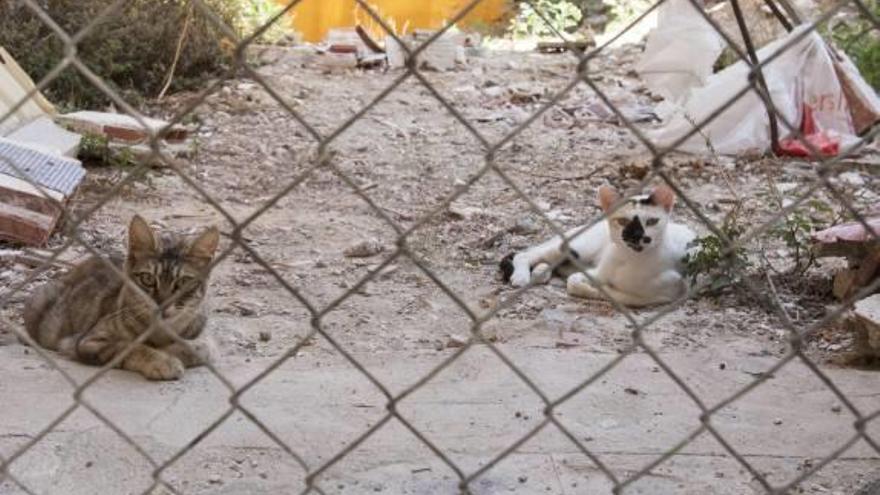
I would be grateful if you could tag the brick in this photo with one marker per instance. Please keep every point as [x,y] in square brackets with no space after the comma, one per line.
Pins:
[28,214]
[21,225]
[867,319]
[119,127]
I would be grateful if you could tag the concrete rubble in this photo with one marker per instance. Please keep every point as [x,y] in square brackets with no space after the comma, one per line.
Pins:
[39,171]
[121,127]
[866,322]
[861,249]
[349,48]
[444,53]
[29,214]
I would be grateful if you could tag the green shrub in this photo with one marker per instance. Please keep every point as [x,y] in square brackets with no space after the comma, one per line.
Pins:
[543,18]
[710,257]
[796,228]
[864,51]
[569,16]
[861,41]
[132,49]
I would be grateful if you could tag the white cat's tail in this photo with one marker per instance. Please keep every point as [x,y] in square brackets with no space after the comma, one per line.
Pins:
[506,267]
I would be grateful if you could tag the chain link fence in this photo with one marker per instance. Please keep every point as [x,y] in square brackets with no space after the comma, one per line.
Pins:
[825,168]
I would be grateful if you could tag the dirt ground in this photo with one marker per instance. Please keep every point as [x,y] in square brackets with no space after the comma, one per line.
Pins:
[408,154]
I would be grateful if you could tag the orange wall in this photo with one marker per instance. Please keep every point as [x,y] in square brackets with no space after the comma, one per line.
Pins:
[313,18]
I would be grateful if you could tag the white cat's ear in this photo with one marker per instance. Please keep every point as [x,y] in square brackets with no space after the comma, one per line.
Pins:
[205,245]
[140,237]
[664,196]
[607,197]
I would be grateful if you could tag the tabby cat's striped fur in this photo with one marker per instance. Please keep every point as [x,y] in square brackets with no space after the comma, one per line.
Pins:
[90,315]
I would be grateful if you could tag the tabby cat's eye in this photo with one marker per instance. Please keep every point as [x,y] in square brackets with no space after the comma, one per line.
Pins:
[652,221]
[146,279]
[623,222]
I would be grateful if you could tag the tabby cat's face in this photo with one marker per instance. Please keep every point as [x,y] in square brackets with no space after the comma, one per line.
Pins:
[168,267]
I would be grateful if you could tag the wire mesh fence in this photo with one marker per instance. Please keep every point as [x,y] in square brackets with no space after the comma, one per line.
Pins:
[825,168]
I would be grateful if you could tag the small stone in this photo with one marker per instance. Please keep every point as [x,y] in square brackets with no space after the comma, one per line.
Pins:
[777,421]
[456,341]
[525,226]
[835,347]
[264,475]
[214,479]
[836,408]
[852,178]
[460,212]
[631,391]
[523,479]
[364,249]
[608,424]
[265,335]
[388,271]
[245,309]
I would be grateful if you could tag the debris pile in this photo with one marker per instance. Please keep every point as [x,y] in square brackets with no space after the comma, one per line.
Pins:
[29,214]
[32,147]
[128,135]
[349,48]
[866,321]
[861,250]
[812,85]
[39,172]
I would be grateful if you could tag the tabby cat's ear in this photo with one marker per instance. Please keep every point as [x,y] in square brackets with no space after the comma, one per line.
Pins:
[141,240]
[205,244]
[607,197]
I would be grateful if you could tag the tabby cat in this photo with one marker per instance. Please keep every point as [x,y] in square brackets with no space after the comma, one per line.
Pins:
[90,315]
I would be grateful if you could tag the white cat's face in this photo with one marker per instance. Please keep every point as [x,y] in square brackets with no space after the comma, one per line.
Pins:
[640,223]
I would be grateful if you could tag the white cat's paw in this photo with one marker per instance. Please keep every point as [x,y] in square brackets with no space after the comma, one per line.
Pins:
[541,274]
[520,278]
[578,285]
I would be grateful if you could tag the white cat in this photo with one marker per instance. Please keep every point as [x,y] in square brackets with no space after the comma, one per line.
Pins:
[636,254]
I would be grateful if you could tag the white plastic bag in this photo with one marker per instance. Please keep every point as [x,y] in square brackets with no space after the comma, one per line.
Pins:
[680,52]
[802,75]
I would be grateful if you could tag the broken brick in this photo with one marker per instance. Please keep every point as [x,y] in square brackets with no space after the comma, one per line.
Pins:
[121,127]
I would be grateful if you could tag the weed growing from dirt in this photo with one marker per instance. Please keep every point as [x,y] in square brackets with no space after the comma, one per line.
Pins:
[710,256]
